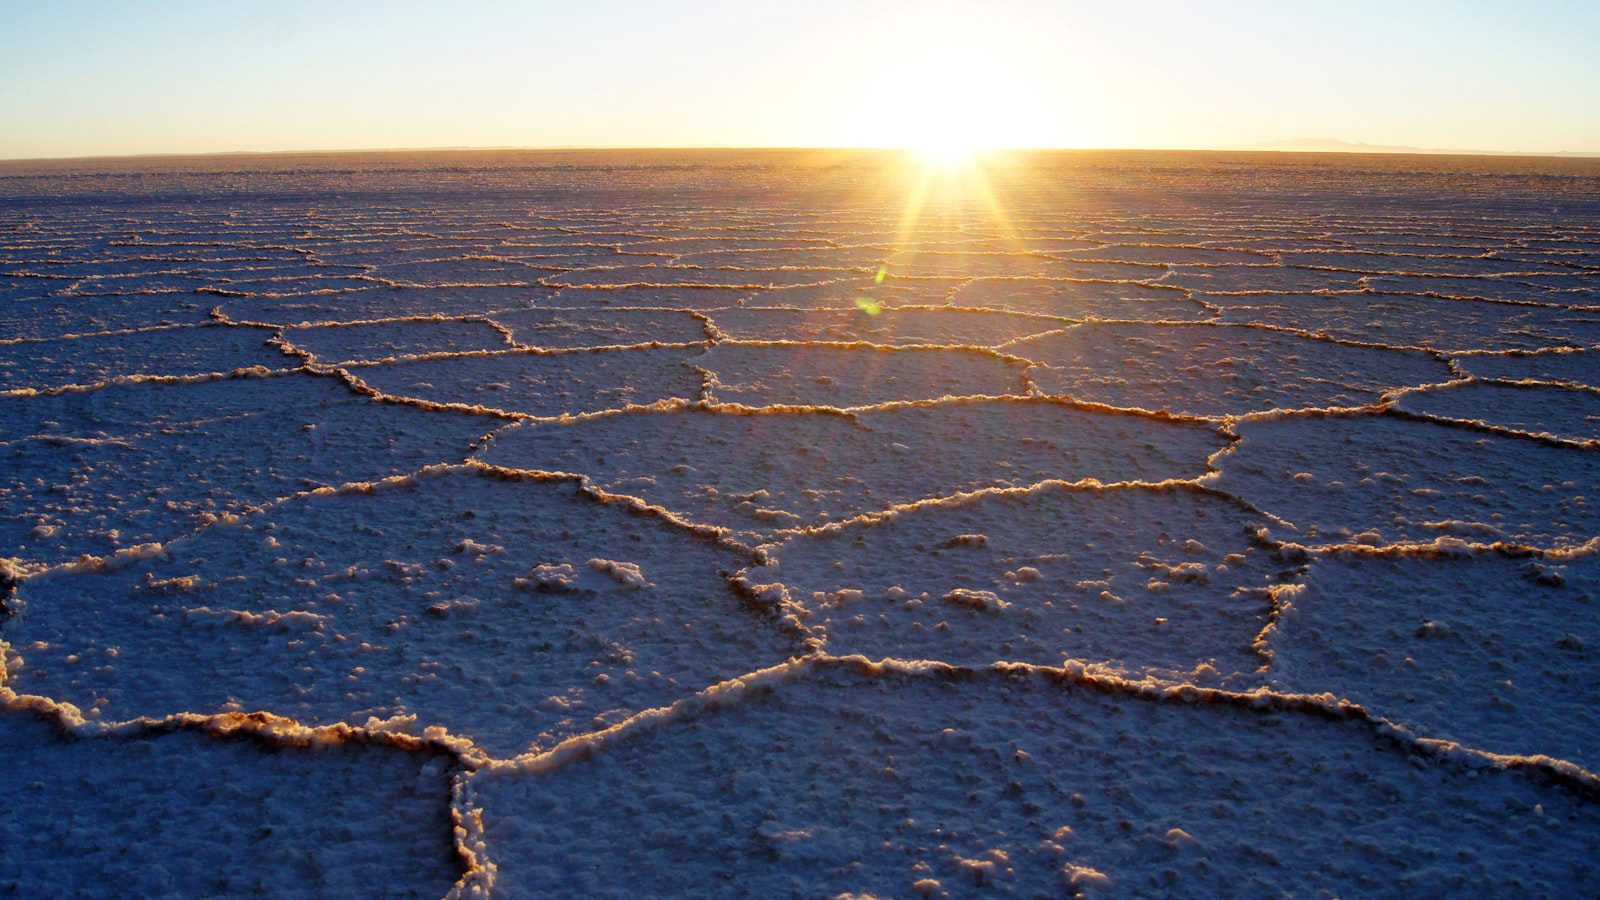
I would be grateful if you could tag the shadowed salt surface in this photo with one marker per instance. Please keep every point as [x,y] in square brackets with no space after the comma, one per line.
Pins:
[687,276]
[1578,367]
[1489,649]
[384,340]
[1023,785]
[188,813]
[1570,413]
[100,471]
[1396,479]
[379,303]
[562,328]
[761,472]
[436,596]
[93,359]
[1140,577]
[495,523]
[541,384]
[880,326]
[1418,321]
[24,318]
[1078,299]
[854,291]
[769,374]
[1213,371]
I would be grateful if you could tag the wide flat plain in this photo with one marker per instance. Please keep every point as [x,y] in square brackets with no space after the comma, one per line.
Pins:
[800,522]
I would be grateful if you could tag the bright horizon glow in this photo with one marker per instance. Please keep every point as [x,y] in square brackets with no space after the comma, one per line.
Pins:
[946,154]
[957,76]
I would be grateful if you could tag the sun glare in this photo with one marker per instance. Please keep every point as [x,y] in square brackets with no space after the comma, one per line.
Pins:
[949,105]
[946,154]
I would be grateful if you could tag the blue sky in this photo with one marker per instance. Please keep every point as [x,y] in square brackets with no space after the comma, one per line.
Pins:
[79,78]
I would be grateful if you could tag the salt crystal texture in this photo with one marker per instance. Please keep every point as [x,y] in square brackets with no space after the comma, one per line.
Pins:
[779,523]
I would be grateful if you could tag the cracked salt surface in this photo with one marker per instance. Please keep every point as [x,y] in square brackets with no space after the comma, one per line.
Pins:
[1575,367]
[95,358]
[809,465]
[1494,649]
[437,596]
[845,376]
[1417,321]
[537,384]
[377,303]
[379,341]
[557,329]
[31,316]
[878,325]
[100,471]
[924,779]
[176,808]
[1399,479]
[1141,577]
[384,525]
[1078,299]
[1550,410]
[1216,370]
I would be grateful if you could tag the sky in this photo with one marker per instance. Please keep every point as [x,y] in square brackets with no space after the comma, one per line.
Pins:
[96,77]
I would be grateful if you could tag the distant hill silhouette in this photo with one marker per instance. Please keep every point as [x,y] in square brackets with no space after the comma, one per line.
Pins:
[1335,145]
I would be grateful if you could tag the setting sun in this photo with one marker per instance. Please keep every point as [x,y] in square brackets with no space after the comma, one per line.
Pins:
[949,102]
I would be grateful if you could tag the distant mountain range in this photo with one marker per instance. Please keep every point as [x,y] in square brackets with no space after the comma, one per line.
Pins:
[1334,145]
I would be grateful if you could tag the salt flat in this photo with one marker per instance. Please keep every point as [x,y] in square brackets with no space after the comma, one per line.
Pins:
[731,522]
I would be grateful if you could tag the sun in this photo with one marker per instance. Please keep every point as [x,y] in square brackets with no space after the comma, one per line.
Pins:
[950,107]
[947,129]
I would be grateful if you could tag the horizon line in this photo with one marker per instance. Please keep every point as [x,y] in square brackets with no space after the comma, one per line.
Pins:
[1339,147]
